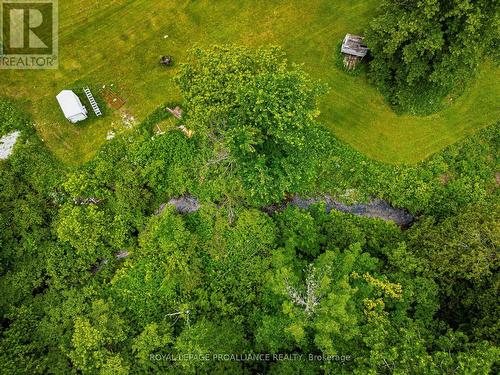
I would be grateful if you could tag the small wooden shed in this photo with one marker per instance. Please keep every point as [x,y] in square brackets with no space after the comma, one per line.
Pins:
[353,49]
[353,45]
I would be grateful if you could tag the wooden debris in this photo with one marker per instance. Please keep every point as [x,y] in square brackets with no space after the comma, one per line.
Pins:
[351,61]
[186,131]
[176,112]
[158,130]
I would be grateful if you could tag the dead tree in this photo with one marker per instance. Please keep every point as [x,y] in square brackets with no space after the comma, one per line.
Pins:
[310,298]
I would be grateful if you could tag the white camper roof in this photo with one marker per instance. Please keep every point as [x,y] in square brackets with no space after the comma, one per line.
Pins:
[70,104]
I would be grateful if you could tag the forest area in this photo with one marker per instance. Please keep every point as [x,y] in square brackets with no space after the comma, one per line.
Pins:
[99,274]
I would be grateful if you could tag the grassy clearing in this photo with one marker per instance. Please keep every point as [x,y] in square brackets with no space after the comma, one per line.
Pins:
[119,42]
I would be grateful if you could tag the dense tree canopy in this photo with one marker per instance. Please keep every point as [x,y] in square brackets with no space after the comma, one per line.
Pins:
[424,49]
[256,113]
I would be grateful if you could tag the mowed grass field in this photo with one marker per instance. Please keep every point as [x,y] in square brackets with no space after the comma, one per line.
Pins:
[117,44]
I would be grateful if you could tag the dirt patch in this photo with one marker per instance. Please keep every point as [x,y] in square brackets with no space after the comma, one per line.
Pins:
[112,99]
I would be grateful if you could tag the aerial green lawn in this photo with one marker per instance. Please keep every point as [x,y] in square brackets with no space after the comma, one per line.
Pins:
[118,43]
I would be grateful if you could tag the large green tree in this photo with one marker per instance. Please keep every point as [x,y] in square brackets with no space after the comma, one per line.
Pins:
[424,49]
[462,254]
[257,113]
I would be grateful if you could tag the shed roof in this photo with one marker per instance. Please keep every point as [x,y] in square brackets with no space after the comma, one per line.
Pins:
[353,45]
[70,104]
